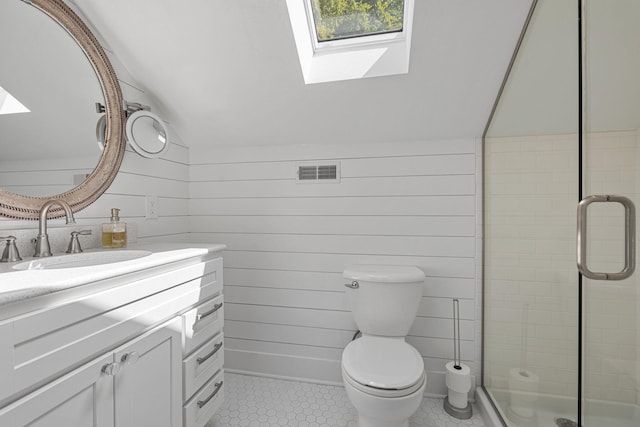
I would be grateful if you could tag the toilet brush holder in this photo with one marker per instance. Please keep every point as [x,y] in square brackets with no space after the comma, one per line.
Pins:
[458,376]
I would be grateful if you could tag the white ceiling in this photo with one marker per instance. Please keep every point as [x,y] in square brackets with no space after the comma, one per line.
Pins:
[228,73]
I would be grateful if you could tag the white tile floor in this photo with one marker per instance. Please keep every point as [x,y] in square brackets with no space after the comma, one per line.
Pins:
[265,402]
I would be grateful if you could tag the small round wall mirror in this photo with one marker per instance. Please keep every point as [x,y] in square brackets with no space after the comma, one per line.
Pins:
[147,134]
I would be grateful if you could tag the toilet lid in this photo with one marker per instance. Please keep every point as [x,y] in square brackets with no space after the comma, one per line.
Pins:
[381,362]
[384,273]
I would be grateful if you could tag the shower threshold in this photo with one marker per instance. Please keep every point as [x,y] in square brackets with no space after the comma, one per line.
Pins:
[554,411]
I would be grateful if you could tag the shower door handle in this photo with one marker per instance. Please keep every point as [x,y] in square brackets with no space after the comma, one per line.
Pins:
[629,237]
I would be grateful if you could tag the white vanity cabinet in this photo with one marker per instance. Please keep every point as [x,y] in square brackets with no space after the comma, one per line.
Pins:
[111,392]
[144,349]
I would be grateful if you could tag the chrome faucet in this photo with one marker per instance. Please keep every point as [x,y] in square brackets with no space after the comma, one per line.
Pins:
[42,240]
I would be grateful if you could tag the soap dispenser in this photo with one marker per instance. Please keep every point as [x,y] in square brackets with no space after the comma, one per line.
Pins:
[114,233]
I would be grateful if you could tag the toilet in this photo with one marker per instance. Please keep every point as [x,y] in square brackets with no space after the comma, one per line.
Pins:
[383,375]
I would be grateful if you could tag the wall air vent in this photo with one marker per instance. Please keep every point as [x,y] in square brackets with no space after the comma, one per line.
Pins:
[318,173]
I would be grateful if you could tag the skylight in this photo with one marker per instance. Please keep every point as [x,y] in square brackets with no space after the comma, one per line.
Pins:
[9,104]
[351,39]
[341,19]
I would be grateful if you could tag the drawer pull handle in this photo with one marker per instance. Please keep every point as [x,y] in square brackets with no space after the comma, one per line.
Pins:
[203,359]
[210,312]
[201,403]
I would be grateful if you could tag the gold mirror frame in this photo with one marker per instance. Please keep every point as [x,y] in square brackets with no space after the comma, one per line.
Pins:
[27,207]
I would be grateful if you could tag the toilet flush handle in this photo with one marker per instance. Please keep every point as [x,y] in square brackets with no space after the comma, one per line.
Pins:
[352,285]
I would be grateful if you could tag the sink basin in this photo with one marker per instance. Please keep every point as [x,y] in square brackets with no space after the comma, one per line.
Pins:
[84,259]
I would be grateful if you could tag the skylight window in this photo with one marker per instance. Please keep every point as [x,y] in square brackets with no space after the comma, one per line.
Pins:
[351,39]
[342,19]
[9,104]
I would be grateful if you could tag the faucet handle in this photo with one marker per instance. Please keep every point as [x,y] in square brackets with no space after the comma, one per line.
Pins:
[74,244]
[10,253]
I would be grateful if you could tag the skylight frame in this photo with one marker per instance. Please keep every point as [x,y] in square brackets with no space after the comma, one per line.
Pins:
[349,58]
[364,39]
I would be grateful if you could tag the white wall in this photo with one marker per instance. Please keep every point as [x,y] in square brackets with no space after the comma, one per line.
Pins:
[288,243]
[166,178]
[44,176]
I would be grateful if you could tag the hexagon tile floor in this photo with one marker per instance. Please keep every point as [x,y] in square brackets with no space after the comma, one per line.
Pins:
[265,402]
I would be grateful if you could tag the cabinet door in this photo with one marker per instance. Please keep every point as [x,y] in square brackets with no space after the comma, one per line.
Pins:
[148,388]
[82,398]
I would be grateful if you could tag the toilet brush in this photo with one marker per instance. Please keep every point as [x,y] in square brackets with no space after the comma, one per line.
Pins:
[458,376]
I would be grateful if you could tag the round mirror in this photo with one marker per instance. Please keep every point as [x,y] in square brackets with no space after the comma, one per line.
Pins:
[147,134]
[57,71]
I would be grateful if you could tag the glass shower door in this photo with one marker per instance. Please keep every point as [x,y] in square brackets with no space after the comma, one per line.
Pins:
[562,348]
[611,159]
[531,186]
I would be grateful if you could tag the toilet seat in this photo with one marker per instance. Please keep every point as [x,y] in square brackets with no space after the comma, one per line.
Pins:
[381,392]
[383,366]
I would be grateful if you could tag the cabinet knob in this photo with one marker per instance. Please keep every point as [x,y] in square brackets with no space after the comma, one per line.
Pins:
[130,358]
[111,369]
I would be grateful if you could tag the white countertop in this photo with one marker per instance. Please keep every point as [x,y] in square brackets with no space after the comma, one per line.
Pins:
[20,285]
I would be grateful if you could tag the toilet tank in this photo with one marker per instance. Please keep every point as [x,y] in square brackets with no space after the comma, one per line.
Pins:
[387,298]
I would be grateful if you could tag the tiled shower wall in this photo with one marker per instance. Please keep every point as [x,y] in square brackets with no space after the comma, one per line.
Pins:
[531,279]
[530,196]
[613,308]
[288,243]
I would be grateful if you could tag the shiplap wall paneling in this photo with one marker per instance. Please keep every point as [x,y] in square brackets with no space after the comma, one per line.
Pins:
[433,206]
[166,178]
[288,243]
[44,176]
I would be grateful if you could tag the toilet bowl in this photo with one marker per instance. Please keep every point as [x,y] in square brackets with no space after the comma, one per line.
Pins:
[383,375]
[384,379]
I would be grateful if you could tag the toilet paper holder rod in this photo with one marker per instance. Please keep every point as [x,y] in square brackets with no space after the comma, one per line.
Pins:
[456,334]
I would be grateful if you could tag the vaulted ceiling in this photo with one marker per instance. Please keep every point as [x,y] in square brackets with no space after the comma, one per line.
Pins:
[227,72]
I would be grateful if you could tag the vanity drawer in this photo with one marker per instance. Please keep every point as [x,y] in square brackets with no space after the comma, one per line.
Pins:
[201,323]
[198,368]
[212,286]
[201,408]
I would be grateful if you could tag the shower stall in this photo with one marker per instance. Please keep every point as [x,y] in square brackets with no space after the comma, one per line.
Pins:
[561,344]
